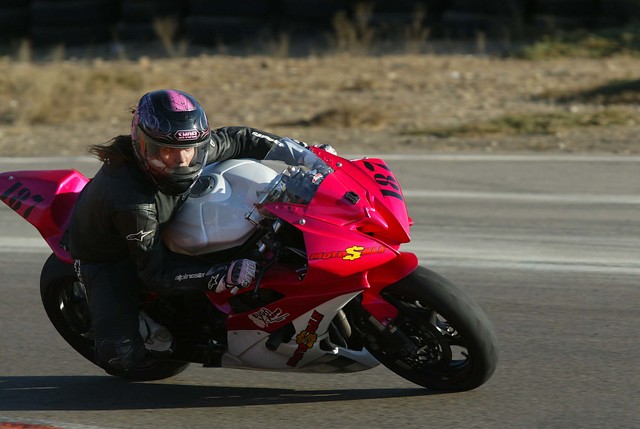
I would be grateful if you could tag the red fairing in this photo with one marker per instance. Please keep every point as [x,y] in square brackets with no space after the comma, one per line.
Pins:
[353,229]
[380,209]
[356,221]
[387,208]
[45,199]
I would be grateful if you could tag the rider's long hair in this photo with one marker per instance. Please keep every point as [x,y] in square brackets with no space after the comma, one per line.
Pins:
[116,151]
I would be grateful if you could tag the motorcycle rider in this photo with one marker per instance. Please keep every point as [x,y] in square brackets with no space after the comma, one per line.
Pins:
[115,231]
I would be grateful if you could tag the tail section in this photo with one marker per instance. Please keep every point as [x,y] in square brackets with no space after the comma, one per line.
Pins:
[45,199]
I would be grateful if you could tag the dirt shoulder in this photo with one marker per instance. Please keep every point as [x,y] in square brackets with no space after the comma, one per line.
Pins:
[358,104]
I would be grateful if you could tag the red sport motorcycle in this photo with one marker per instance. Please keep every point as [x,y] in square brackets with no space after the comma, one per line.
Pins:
[334,292]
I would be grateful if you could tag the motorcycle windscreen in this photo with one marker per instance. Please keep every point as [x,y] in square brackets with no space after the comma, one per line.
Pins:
[366,193]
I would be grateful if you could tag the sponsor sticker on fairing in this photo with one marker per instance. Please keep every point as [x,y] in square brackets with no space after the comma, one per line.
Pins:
[307,338]
[265,317]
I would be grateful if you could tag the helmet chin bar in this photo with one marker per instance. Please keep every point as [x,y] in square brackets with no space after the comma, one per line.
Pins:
[175,181]
[172,186]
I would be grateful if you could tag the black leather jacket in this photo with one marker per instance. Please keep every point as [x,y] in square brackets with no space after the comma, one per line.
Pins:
[120,215]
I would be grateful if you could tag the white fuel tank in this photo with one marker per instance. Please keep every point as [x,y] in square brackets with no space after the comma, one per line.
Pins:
[213,217]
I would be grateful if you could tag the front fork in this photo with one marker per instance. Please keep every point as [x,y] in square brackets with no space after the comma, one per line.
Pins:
[379,278]
[382,336]
[378,315]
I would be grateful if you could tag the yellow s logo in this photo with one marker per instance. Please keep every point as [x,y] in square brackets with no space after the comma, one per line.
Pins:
[307,339]
[353,253]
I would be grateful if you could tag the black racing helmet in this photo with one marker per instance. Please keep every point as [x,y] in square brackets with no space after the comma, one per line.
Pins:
[166,120]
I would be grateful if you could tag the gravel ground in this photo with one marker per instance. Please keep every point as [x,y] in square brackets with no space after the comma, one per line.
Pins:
[358,104]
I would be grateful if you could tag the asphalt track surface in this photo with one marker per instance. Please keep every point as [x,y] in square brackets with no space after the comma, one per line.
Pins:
[548,245]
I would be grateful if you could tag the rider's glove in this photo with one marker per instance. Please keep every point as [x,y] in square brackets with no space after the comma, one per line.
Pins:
[326,147]
[323,146]
[239,274]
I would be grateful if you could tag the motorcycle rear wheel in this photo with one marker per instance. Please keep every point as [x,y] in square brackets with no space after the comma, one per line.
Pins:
[65,302]
[454,346]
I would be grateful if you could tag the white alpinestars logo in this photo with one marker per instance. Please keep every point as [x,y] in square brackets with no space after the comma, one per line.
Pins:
[138,236]
[213,281]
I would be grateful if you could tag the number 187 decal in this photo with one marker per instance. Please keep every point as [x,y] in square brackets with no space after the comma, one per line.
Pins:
[385,178]
[18,197]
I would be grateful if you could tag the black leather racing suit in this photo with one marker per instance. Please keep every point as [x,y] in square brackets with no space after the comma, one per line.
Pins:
[115,233]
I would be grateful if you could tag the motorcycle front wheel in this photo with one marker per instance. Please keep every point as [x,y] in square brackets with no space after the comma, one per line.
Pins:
[442,340]
[65,302]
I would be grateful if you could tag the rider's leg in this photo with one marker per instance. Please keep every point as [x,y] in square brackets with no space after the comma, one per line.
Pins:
[112,291]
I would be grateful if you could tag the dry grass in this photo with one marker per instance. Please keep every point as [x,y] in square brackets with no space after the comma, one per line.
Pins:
[166,28]
[416,34]
[610,93]
[62,92]
[353,36]
[344,116]
[358,103]
[602,43]
[539,123]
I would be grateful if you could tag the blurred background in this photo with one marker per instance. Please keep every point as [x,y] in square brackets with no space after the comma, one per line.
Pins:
[372,75]
[297,26]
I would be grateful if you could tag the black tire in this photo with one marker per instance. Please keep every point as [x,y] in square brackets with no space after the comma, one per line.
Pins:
[12,4]
[568,8]
[456,346]
[211,30]
[312,10]
[70,35]
[145,11]
[72,12]
[65,302]
[14,23]
[230,8]
[621,11]
[136,31]
[396,6]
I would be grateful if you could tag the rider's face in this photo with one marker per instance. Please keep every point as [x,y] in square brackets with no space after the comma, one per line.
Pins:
[177,157]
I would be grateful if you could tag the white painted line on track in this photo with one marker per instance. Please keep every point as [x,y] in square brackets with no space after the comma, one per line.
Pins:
[549,266]
[446,257]
[23,245]
[566,262]
[504,158]
[527,197]
[564,256]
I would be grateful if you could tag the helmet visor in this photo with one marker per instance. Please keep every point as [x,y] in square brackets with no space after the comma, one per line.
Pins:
[174,167]
[171,159]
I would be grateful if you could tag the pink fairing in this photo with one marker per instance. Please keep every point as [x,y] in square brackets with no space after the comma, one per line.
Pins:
[45,199]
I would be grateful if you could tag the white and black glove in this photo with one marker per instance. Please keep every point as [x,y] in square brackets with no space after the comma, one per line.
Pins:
[322,146]
[326,147]
[238,275]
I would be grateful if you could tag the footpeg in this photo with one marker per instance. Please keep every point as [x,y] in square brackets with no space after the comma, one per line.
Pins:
[157,338]
[212,356]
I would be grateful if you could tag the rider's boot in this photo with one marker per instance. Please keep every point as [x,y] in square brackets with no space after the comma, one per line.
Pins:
[157,338]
